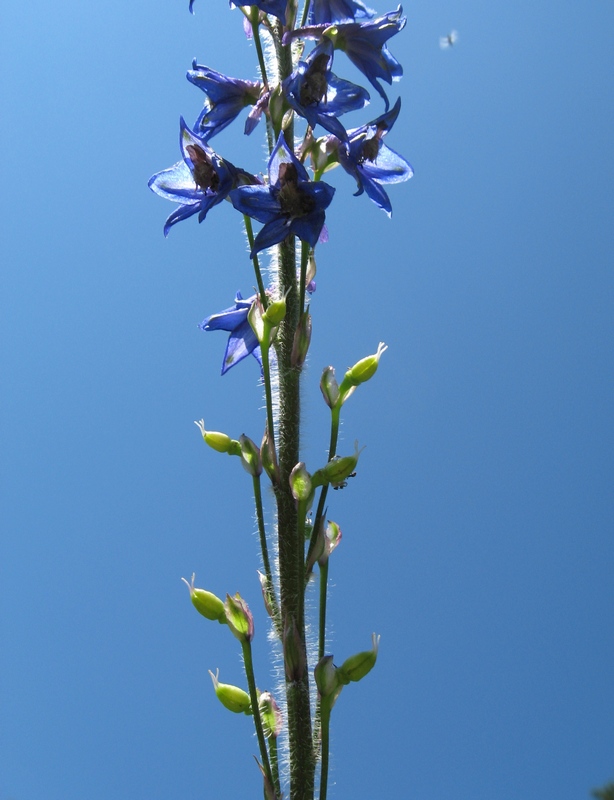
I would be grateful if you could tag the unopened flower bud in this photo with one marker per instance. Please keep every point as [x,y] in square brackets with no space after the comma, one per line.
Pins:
[294,653]
[255,315]
[239,618]
[325,154]
[206,603]
[332,537]
[318,549]
[219,441]
[300,483]
[232,697]
[325,674]
[250,456]
[356,667]
[270,715]
[311,272]
[266,593]
[276,106]
[302,339]
[329,387]
[269,457]
[361,372]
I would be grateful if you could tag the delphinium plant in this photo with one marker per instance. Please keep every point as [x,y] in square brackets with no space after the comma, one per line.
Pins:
[298,101]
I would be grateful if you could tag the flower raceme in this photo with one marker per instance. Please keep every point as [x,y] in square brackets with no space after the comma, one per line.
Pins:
[290,204]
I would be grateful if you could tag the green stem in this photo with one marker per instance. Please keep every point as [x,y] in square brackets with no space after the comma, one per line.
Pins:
[305,12]
[255,22]
[272,598]
[335,414]
[250,238]
[253,694]
[324,732]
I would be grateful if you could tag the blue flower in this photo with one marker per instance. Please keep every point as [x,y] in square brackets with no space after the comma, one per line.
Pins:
[316,94]
[242,340]
[371,162]
[364,43]
[199,182]
[226,98]
[290,204]
[329,11]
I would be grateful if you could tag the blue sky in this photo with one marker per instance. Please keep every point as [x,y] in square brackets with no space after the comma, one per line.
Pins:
[478,534]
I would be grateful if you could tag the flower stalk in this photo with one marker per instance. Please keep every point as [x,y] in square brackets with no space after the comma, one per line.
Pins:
[298,94]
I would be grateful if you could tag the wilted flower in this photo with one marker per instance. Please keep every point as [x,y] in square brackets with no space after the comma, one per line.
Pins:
[242,340]
[290,204]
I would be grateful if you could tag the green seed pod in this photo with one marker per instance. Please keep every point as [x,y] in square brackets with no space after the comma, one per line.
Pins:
[231,697]
[356,667]
[362,371]
[206,603]
[337,470]
[275,312]
[219,441]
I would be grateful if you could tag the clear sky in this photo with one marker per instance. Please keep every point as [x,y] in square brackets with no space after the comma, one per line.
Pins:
[478,535]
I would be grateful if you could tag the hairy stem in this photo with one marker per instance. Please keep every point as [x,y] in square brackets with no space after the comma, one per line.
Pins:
[291,539]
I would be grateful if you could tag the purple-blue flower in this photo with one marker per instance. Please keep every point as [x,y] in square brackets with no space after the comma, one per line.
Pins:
[226,98]
[364,43]
[330,11]
[198,182]
[242,340]
[317,94]
[371,162]
[290,204]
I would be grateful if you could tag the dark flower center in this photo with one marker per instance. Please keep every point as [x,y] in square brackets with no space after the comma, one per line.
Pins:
[370,148]
[293,200]
[205,175]
[314,84]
